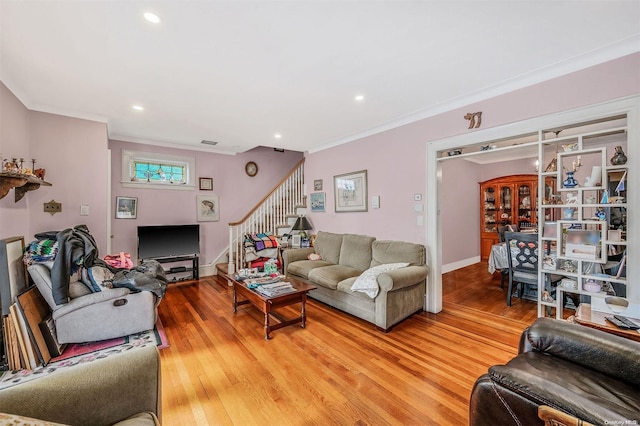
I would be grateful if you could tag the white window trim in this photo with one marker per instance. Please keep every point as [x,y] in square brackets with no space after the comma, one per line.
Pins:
[128,170]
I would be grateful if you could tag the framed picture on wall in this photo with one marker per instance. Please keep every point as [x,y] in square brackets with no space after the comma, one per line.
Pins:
[126,208]
[317,185]
[208,208]
[317,201]
[206,184]
[350,191]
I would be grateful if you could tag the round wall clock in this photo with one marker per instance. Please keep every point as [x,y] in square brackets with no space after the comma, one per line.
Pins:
[251,168]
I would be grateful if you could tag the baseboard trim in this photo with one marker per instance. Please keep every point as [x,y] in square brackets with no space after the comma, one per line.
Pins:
[460,264]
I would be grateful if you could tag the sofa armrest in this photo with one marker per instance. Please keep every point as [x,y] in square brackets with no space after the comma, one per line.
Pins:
[101,392]
[584,346]
[293,255]
[403,277]
[90,299]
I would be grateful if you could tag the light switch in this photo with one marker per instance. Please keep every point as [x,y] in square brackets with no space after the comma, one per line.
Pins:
[420,220]
[84,210]
[418,207]
[375,202]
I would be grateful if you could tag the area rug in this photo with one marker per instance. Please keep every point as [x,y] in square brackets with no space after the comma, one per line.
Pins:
[83,353]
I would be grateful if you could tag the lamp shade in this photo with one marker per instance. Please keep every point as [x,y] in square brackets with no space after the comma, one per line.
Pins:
[302,224]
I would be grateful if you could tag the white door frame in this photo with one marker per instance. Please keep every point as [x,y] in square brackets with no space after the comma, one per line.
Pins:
[628,105]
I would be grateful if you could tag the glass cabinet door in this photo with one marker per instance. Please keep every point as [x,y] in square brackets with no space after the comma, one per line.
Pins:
[506,207]
[489,199]
[526,205]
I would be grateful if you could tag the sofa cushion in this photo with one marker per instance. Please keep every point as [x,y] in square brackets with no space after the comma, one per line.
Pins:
[301,268]
[330,276]
[356,251]
[397,251]
[328,246]
[345,287]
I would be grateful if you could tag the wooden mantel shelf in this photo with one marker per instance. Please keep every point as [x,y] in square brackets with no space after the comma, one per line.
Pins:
[21,182]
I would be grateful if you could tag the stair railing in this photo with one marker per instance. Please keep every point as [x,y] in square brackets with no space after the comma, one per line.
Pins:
[271,213]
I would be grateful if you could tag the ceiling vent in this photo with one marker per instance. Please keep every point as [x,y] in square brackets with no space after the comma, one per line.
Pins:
[206,142]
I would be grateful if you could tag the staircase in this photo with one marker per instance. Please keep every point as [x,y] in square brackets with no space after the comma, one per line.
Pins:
[277,211]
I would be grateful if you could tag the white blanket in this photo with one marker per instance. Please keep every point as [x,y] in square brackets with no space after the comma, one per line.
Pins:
[367,282]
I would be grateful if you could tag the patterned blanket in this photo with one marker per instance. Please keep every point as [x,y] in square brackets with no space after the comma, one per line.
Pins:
[260,241]
[40,251]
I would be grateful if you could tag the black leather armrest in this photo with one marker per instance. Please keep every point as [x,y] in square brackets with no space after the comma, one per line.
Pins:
[595,349]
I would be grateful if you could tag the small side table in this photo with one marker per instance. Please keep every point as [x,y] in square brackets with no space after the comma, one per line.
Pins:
[594,319]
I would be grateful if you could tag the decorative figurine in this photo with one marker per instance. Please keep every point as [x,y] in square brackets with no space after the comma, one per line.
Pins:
[619,158]
[570,181]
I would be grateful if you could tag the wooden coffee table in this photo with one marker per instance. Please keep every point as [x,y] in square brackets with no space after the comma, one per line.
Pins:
[267,305]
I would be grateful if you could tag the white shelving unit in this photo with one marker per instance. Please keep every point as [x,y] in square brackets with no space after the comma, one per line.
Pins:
[576,225]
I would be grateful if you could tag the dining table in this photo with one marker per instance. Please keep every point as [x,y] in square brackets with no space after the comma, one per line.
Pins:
[498,258]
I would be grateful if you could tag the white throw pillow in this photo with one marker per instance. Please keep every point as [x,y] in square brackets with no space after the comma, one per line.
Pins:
[367,282]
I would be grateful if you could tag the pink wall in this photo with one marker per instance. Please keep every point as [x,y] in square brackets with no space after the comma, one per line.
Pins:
[14,142]
[237,193]
[395,159]
[74,153]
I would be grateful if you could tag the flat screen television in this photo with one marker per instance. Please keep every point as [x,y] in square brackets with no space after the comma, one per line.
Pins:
[168,241]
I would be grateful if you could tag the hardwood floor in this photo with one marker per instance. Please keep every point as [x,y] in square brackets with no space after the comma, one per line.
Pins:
[339,370]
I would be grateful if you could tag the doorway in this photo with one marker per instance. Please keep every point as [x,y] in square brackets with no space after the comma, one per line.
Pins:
[438,152]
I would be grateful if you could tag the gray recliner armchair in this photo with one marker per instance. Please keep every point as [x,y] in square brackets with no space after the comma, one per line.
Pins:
[89,317]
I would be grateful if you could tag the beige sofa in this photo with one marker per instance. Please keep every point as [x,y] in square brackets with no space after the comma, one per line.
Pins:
[396,293]
[121,389]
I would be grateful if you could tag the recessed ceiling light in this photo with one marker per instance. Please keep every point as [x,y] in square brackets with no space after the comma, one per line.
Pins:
[152,17]
[359,98]
[138,108]
[277,136]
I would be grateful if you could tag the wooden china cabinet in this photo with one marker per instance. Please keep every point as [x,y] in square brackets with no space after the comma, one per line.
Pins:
[507,200]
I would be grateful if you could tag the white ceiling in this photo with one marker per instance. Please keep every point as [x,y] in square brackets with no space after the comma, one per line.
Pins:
[237,72]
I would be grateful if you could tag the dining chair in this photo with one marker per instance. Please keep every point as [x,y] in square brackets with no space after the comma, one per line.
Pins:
[523,255]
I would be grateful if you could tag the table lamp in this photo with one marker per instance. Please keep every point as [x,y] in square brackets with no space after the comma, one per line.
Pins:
[303,225]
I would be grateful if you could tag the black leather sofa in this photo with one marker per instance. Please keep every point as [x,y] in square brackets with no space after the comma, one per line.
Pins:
[589,374]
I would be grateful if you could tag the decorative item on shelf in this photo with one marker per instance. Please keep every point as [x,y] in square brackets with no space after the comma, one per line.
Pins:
[572,198]
[600,214]
[605,197]
[596,177]
[570,181]
[569,283]
[620,187]
[592,286]
[568,213]
[471,116]
[546,297]
[619,158]
[570,147]
[454,152]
